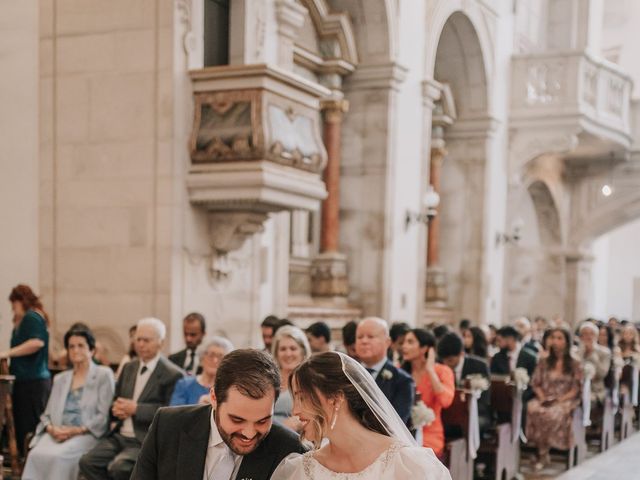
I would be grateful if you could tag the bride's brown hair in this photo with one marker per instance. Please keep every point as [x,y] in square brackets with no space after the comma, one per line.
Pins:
[323,373]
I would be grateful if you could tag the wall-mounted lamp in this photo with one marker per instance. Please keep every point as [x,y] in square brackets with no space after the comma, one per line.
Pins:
[513,236]
[430,203]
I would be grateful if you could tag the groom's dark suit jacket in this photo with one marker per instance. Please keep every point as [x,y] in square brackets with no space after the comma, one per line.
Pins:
[397,385]
[176,447]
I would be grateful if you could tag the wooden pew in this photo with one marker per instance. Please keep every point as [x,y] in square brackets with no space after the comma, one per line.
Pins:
[578,453]
[502,448]
[602,426]
[626,415]
[457,457]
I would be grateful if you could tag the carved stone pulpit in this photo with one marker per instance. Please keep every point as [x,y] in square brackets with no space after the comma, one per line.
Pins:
[256,147]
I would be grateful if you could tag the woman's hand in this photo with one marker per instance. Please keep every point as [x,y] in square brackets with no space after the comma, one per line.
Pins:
[431,359]
[204,399]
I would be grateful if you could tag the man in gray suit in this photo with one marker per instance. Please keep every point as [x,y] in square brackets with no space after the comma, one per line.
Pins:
[145,385]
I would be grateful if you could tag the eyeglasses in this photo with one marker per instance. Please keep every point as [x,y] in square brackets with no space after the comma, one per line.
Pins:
[212,355]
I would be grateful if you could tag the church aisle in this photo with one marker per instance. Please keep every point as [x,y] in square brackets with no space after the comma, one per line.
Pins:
[618,462]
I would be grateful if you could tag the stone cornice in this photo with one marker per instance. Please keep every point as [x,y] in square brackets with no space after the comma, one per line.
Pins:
[379,76]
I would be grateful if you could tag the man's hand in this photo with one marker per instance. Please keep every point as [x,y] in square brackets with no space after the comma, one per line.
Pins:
[124,408]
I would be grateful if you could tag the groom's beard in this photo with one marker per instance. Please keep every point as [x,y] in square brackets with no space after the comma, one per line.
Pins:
[235,440]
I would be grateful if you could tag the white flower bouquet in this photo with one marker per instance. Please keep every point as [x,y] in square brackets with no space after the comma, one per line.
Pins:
[521,378]
[478,382]
[421,415]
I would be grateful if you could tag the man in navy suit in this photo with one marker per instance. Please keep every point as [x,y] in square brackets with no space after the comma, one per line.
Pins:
[372,342]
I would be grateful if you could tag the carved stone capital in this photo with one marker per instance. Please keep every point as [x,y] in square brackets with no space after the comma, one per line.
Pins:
[329,275]
[333,110]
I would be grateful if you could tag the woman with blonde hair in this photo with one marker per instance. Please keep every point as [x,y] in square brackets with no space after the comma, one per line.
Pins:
[290,347]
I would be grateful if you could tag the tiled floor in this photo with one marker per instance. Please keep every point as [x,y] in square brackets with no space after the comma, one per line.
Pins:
[621,462]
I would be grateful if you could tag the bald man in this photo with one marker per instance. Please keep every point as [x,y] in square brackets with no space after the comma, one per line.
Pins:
[372,342]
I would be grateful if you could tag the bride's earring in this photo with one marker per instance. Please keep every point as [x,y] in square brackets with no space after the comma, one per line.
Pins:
[335,417]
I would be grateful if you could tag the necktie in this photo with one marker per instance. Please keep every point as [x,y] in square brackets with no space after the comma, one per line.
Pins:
[189,366]
[143,370]
[371,371]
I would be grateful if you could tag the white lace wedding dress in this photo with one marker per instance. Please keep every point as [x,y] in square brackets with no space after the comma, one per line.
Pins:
[397,462]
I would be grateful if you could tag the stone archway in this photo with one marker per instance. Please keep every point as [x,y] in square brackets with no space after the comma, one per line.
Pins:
[460,66]
[536,266]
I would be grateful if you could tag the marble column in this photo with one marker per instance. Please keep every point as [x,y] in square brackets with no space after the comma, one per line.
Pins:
[329,268]
[436,285]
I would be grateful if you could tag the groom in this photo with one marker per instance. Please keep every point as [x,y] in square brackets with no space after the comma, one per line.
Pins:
[234,438]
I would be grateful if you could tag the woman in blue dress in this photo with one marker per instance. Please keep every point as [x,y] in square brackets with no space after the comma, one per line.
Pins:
[195,389]
[77,413]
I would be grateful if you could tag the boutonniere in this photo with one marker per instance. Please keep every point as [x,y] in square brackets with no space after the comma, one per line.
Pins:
[386,375]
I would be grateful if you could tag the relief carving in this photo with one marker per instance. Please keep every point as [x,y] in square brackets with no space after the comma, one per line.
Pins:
[226,126]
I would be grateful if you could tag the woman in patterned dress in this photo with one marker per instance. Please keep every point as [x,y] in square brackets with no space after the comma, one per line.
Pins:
[556,383]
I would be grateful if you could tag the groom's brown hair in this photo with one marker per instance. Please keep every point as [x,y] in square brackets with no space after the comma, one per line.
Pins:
[252,372]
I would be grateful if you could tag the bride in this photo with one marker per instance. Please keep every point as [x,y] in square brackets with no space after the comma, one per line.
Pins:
[337,400]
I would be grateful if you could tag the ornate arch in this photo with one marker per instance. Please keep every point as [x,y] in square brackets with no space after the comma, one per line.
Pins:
[375,28]
[479,16]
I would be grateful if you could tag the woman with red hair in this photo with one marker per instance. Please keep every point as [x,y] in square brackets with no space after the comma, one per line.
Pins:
[29,354]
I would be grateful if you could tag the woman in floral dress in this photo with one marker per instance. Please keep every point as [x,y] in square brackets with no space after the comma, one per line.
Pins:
[556,384]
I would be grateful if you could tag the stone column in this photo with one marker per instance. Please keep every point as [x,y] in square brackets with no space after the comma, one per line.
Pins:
[329,269]
[438,153]
[578,286]
[436,285]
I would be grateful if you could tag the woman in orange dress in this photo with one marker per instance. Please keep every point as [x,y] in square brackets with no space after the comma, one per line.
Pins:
[434,382]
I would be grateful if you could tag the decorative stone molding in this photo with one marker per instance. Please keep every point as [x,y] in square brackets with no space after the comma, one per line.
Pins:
[329,275]
[267,121]
[379,76]
[290,17]
[436,287]
[229,230]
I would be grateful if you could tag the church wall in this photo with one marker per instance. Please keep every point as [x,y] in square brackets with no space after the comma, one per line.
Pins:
[19,166]
[107,110]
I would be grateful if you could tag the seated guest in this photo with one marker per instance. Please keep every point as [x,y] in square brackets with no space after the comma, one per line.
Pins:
[475,342]
[397,331]
[511,354]
[372,342]
[434,382]
[600,357]
[77,413]
[192,390]
[556,384]
[268,326]
[523,326]
[629,348]
[131,354]
[146,384]
[440,330]
[290,348]
[349,338]
[491,334]
[452,354]
[464,324]
[193,328]
[319,336]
